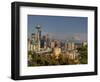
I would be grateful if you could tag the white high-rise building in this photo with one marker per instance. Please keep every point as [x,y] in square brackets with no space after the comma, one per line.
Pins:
[70,46]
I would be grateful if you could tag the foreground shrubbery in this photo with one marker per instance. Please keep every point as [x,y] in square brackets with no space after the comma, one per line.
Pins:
[45,60]
[83,54]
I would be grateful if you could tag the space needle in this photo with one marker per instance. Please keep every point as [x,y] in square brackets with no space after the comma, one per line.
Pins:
[38,27]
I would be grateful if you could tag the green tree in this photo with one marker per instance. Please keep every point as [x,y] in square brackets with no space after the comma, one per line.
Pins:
[83,54]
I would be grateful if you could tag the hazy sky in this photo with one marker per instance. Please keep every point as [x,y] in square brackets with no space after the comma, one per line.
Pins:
[61,27]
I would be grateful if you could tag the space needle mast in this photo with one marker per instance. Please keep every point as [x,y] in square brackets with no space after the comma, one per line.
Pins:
[38,27]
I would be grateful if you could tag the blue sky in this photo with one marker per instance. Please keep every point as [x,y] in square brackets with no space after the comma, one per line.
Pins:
[60,27]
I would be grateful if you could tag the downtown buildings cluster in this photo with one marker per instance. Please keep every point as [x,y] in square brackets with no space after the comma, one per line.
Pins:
[43,44]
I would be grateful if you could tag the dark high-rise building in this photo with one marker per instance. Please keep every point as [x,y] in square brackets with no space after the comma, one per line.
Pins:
[47,40]
[43,41]
[33,35]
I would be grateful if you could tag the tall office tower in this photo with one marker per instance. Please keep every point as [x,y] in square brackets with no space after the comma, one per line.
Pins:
[71,46]
[66,46]
[52,44]
[42,42]
[29,45]
[33,37]
[58,43]
[47,41]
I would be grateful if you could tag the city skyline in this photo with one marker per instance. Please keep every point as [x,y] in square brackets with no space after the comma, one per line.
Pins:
[60,27]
